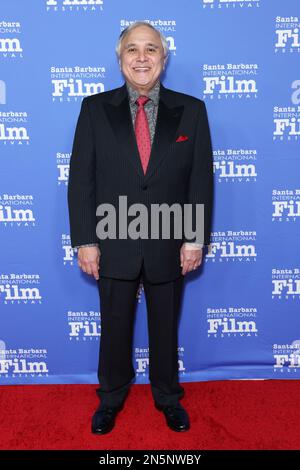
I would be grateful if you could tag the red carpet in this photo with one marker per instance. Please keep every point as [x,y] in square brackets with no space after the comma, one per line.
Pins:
[224,415]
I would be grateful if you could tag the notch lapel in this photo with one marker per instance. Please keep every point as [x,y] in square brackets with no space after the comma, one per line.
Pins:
[167,123]
[119,116]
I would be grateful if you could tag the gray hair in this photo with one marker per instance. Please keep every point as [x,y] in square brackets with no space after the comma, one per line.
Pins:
[134,25]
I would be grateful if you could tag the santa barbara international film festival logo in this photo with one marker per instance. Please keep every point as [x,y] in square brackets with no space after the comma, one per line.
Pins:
[287,117]
[74,83]
[229,81]
[16,210]
[10,40]
[286,284]
[67,250]
[287,357]
[232,246]
[166,27]
[287,34]
[23,362]
[74,5]
[13,125]
[218,4]
[141,359]
[286,205]
[235,165]
[19,289]
[63,166]
[231,322]
[83,325]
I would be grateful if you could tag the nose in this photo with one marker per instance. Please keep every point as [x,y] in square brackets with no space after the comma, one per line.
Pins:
[141,56]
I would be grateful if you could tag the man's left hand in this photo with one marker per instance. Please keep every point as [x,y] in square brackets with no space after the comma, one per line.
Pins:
[190,259]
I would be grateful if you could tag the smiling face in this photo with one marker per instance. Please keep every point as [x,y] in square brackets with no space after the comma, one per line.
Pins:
[142,58]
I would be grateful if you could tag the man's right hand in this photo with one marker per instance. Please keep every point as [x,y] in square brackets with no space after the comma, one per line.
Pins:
[89,260]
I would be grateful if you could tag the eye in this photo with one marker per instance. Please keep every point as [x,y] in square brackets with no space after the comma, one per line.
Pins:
[131,49]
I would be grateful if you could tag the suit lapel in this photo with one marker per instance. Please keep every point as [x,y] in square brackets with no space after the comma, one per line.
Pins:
[118,113]
[168,119]
[167,123]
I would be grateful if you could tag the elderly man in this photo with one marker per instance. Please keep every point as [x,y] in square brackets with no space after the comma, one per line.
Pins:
[152,145]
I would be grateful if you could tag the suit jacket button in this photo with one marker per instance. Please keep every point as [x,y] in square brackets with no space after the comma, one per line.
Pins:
[144,187]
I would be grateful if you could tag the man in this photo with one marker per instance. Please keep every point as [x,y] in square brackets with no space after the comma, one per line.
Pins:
[152,145]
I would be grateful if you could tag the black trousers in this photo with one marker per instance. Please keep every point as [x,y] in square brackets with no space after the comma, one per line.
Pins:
[118,299]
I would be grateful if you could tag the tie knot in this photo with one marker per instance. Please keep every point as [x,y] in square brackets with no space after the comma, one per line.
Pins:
[142,100]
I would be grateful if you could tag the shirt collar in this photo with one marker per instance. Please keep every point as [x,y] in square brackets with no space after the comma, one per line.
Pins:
[153,93]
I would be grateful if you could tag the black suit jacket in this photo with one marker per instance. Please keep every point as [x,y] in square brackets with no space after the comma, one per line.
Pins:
[105,164]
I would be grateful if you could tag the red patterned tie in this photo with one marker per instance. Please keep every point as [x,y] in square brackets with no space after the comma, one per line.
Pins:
[142,132]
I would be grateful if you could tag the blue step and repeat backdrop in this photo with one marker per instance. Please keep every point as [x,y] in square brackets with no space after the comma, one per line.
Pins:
[240,314]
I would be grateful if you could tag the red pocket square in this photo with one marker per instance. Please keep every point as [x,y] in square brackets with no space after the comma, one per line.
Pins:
[181,138]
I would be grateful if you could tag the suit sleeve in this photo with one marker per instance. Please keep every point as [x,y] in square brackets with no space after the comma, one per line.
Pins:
[82,182]
[200,189]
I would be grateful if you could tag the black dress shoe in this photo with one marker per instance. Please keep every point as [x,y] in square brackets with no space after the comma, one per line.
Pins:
[104,418]
[176,416]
